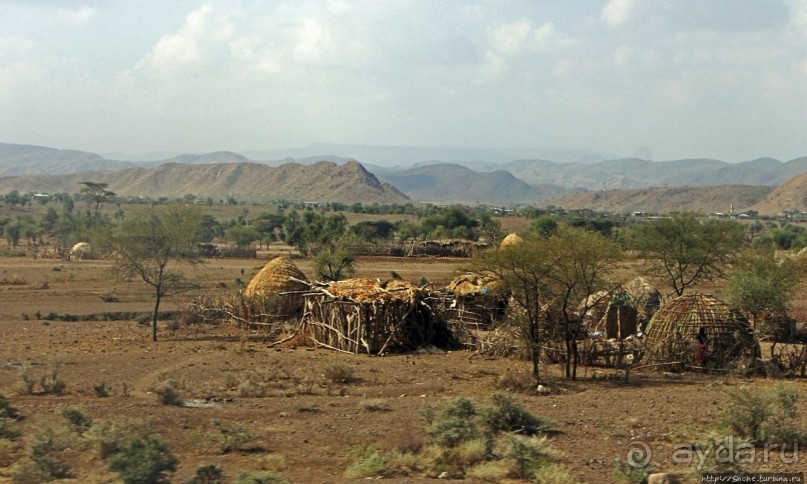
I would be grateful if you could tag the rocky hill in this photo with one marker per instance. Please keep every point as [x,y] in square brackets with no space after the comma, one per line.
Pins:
[636,173]
[706,199]
[453,183]
[30,160]
[789,196]
[323,182]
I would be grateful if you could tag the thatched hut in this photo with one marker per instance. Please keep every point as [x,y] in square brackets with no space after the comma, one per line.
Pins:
[609,314]
[367,316]
[278,279]
[646,299]
[510,240]
[474,302]
[671,334]
[81,250]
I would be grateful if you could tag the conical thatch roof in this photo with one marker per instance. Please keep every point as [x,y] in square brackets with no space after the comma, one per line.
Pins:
[467,285]
[511,239]
[274,278]
[671,334]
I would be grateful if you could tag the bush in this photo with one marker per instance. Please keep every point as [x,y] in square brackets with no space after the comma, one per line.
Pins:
[42,464]
[453,423]
[167,393]
[101,390]
[143,460]
[265,477]
[506,416]
[78,422]
[209,474]
[531,456]
[231,436]
[52,384]
[765,417]
[366,461]
[6,410]
[337,373]
[107,436]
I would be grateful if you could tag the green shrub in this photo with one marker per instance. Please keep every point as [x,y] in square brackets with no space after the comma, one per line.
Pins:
[453,423]
[6,410]
[264,477]
[531,455]
[6,430]
[78,422]
[337,373]
[209,474]
[167,393]
[42,463]
[230,435]
[52,383]
[143,460]
[764,417]
[505,415]
[366,461]
[101,390]
[107,436]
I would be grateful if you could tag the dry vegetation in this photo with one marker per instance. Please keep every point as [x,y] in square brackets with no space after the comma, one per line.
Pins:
[224,402]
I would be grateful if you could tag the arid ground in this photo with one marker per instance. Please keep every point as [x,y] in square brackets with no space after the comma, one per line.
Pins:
[304,423]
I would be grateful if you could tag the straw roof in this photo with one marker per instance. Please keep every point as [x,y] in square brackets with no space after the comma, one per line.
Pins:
[671,333]
[511,239]
[274,278]
[468,285]
[368,290]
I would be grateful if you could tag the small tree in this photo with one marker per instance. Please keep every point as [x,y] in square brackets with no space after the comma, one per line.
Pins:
[762,283]
[524,268]
[148,241]
[96,194]
[684,251]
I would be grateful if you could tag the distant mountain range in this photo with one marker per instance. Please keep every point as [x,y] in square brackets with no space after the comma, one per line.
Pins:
[321,182]
[704,199]
[336,177]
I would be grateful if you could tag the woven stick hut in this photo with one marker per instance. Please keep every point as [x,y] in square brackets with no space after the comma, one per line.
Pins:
[366,316]
[475,302]
[671,334]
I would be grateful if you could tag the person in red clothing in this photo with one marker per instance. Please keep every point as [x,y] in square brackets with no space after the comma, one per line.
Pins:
[700,354]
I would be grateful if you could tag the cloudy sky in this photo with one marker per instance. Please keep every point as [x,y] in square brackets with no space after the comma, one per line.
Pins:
[659,79]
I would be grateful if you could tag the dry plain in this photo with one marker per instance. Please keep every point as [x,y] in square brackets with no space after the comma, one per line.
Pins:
[304,424]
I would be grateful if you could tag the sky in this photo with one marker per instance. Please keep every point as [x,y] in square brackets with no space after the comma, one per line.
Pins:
[655,79]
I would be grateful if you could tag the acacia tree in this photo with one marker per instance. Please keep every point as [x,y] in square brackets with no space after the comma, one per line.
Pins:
[147,242]
[582,260]
[684,251]
[96,194]
[524,268]
[760,282]
[547,277]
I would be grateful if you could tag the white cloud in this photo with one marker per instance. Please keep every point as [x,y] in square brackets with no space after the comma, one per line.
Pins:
[80,15]
[617,12]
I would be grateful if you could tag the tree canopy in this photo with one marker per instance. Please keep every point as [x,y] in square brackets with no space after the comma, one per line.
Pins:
[148,241]
[683,250]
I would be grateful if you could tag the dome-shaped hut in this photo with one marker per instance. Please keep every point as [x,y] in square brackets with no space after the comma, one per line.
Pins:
[275,280]
[81,250]
[646,299]
[511,239]
[671,334]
